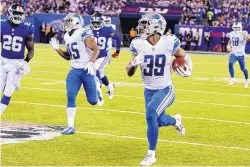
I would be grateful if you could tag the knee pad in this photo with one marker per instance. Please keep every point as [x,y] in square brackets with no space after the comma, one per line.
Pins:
[9,90]
[92,101]
[71,100]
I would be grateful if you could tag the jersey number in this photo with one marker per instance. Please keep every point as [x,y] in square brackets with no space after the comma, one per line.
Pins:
[73,52]
[101,42]
[235,41]
[155,65]
[12,43]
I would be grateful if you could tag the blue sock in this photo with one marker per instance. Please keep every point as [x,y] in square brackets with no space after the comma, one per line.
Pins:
[231,70]
[105,81]
[245,73]
[166,120]
[5,100]
[152,132]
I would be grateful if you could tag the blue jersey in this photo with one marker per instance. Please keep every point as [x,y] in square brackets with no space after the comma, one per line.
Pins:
[102,36]
[13,39]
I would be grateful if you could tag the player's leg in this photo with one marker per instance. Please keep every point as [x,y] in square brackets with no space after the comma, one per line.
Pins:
[242,62]
[12,81]
[73,84]
[232,60]
[5,100]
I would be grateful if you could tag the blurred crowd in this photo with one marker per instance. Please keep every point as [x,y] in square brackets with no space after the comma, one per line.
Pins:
[84,7]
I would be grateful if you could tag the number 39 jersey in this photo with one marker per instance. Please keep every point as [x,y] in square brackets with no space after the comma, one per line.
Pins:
[79,53]
[13,39]
[156,68]
[238,42]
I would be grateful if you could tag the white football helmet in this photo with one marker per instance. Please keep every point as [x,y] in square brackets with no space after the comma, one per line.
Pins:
[107,21]
[151,24]
[237,26]
[72,21]
[16,13]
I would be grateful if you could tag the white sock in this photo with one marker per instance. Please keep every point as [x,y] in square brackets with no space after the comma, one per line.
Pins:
[110,87]
[3,108]
[71,112]
[152,152]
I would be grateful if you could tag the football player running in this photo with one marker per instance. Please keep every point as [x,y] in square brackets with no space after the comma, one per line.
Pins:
[82,50]
[153,52]
[237,44]
[102,34]
[15,36]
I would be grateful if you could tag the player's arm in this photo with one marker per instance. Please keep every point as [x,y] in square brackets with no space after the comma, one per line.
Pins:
[55,45]
[116,37]
[91,44]
[29,43]
[246,35]
[229,45]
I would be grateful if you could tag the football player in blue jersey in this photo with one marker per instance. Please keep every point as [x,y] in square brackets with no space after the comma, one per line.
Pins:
[16,34]
[102,34]
[82,50]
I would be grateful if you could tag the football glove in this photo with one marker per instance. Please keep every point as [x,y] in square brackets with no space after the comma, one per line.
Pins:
[91,68]
[182,72]
[23,67]
[139,59]
[54,43]
[116,54]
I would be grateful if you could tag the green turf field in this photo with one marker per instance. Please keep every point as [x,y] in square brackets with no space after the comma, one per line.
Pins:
[216,117]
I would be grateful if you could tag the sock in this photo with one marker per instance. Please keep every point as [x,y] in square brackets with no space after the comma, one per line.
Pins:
[245,73]
[152,152]
[4,103]
[110,87]
[166,120]
[153,129]
[71,111]
[105,81]
[231,70]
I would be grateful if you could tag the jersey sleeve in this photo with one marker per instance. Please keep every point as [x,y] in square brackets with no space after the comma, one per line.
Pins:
[229,35]
[87,32]
[172,43]
[134,46]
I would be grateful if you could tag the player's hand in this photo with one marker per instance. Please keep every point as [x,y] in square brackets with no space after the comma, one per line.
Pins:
[91,68]
[182,72]
[23,67]
[54,43]
[116,54]
[139,59]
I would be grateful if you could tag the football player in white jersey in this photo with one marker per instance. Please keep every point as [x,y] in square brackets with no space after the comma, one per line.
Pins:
[153,52]
[82,50]
[237,44]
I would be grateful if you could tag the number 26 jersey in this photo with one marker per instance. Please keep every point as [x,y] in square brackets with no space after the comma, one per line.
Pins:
[156,68]
[13,39]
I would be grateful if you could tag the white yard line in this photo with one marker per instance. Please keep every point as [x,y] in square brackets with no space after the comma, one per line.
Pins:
[129,112]
[165,141]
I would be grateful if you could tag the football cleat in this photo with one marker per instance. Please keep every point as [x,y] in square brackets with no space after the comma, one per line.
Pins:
[178,126]
[111,92]
[100,100]
[68,131]
[148,160]
[231,82]
[246,83]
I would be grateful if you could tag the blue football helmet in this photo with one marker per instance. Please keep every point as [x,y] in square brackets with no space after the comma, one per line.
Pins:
[15,13]
[72,21]
[150,24]
[97,21]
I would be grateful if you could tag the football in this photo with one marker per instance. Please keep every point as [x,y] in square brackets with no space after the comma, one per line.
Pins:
[178,62]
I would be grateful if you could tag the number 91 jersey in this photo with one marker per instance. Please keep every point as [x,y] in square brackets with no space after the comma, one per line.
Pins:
[156,68]
[13,39]
[238,42]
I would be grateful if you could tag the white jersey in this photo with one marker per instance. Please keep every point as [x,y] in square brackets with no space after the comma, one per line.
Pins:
[80,54]
[156,69]
[238,42]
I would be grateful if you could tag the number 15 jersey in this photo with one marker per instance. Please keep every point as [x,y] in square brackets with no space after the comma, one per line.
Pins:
[13,39]
[156,68]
